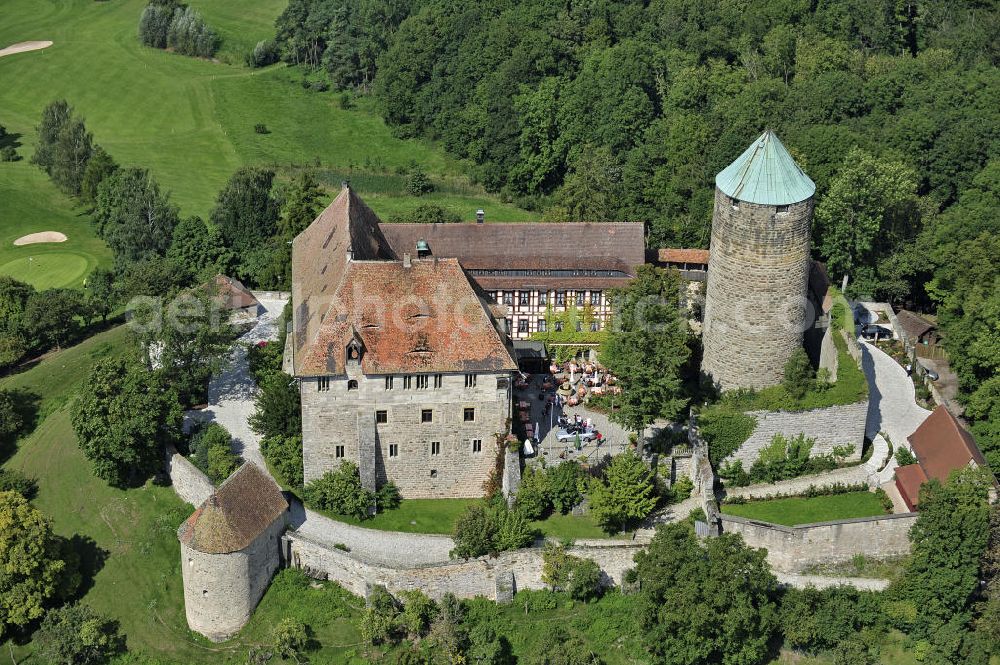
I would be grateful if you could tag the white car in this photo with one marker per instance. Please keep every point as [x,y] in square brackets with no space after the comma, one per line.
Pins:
[585,435]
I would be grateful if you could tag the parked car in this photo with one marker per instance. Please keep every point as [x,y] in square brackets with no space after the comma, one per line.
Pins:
[931,374]
[567,436]
[876,332]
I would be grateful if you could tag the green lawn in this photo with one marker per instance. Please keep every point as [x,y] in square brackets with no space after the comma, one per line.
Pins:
[191,121]
[570,527]
[802,510]
[416,516]
[30,203]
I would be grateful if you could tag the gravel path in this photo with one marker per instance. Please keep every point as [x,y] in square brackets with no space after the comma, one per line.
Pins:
[892,407]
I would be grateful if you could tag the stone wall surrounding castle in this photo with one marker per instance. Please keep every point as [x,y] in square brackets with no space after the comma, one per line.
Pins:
[487,577]
[755,301]
[189,482]
[404,445]
[831,427]
[792,549]
[222,590]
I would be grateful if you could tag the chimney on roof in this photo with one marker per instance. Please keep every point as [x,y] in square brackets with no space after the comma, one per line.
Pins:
[406,261]
[480,216]
[423,249]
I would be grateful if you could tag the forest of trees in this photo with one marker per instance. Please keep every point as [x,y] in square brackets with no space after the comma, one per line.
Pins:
[618,110]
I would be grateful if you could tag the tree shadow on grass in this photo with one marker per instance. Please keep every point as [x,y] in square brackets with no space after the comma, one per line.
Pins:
[13,140]
[26,404]
[91,558]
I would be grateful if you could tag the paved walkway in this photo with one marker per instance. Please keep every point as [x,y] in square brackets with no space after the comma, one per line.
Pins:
[825,582]
[892,407]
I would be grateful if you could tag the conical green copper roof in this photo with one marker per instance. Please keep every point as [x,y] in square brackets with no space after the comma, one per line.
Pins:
[765,174]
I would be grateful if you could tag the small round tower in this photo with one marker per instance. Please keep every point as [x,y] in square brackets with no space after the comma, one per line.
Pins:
[758,271]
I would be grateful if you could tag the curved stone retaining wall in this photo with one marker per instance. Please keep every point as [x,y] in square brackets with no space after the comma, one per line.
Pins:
[493,578]
[791,549]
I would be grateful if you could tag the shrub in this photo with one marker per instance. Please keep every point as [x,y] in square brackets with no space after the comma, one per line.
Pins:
[732,472]
[533,495]
[580,578]
[263,54]
[277,409]
[212,452]
[725,430]
[261,128]
[564,482]
[264,359]
[799,375]
[904,457]
[417,183]
[78,634]
[340,492]
[681,489]
[388,496]
[418,613]
[291,638]
[9,154]
[12,480]
[284,455]
[488,528]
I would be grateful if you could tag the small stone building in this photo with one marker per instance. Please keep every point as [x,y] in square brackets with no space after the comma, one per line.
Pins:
[758,271]
[230,295]
[230,551]
[401,367]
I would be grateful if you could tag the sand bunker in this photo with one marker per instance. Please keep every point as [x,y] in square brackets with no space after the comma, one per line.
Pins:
[44,236]
[22,47]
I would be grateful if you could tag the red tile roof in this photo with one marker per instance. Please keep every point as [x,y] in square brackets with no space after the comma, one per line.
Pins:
[672,255]
[231,294]
[942,445]
[319,260]
[422,318]
[246,504]
[909,478]
[542,245]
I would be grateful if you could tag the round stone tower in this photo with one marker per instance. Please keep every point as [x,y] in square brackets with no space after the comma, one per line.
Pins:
[758,270]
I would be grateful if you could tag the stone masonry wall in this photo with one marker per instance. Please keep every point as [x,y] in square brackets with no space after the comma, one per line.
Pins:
[834,426]
[791,549]
[848,475]
[511,481]
[755,302]
[330,419]
[189,482]
[222,590]
[465,579]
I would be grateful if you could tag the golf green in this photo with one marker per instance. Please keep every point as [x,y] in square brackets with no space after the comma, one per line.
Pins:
[49,270]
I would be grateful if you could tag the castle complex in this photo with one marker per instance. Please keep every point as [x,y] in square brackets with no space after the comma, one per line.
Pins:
[758,270]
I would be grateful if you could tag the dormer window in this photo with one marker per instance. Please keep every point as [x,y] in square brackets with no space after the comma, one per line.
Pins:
[354,352]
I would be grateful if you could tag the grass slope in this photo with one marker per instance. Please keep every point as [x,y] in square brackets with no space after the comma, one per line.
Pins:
[802,510]
[192,121]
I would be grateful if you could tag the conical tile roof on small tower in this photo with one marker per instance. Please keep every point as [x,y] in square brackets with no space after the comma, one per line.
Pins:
[765,174]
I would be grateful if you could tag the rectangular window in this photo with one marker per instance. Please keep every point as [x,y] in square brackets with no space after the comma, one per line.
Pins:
[543,298]
[492,295]
[469,415]
[477,445]
[421,382]
[579,326]
[438,380]
[470,380]
[543,325]
[393,450]
[339,452]
[508,297]
[595,325]
[579,298]
[323,383]
[781,209]
[595,298]
[435,447]
[560,298]
[559,326]
[523,298]
[407,382]
[427,416]
[522,326]
[388,382]
[381,417]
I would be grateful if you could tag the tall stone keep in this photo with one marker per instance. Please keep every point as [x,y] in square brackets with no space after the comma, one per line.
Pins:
[758,271]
